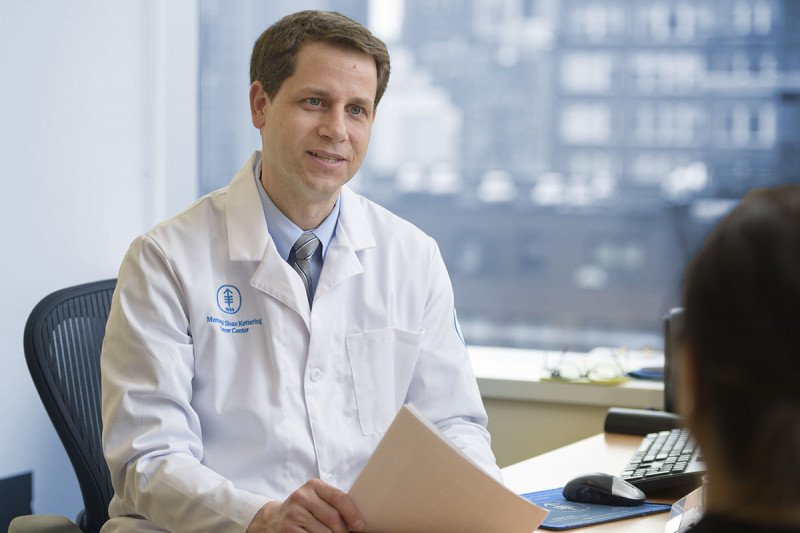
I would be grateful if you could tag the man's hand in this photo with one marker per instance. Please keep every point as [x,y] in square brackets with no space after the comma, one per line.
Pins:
[314,507]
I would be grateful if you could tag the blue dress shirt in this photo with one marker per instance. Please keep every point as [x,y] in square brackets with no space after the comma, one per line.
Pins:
[285,233]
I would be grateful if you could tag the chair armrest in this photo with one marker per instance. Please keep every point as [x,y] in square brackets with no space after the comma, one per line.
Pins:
[43,524]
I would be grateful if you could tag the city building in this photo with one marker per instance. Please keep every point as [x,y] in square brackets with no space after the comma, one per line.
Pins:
[569,156]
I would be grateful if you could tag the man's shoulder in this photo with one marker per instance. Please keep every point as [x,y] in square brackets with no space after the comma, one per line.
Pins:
[385,222]
[199,219]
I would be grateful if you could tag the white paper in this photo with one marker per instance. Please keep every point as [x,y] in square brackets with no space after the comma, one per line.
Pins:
[417,481]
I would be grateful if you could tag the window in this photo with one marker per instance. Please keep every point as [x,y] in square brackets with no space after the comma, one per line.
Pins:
[586,123]
[583,72]
[752,17]
[581,133]
[666,72]
[677,21]
[745,124]
[595,21]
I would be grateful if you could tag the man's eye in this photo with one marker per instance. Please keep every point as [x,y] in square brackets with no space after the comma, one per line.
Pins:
[314,101]
[356,110]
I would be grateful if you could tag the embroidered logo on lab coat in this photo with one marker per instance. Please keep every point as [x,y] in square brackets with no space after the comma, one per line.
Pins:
[229,299]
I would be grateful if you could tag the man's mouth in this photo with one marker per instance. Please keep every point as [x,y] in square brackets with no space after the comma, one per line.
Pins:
[327,158]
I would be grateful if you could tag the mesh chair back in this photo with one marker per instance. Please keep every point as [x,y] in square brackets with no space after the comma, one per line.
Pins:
[63,338]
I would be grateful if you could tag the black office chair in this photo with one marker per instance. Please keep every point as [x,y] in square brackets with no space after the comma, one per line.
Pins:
[63,338]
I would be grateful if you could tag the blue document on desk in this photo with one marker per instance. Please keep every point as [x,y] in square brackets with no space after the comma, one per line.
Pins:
[565,514]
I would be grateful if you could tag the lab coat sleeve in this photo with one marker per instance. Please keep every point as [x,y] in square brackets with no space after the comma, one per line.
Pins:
[152,437]
[444,388]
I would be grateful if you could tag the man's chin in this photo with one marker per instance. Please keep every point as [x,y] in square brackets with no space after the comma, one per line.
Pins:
[326,186]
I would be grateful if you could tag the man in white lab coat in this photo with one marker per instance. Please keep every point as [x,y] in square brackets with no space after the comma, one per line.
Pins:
[261,341]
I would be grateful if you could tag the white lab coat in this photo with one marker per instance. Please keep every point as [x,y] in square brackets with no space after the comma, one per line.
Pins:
[223,390]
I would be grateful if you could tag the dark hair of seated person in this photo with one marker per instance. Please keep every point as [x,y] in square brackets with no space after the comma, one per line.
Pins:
[742,337]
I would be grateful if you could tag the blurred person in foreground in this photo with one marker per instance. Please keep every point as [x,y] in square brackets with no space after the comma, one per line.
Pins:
[740,382]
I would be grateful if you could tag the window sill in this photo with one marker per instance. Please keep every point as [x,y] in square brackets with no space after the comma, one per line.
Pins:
[515,374]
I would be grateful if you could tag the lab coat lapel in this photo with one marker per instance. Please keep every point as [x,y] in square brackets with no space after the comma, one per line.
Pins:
[353,234]
[249,240]
[276,277]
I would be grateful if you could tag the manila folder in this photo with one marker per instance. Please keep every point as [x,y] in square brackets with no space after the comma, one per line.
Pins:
[418,481]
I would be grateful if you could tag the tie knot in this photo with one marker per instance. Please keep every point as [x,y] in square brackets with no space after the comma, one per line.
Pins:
[305,246]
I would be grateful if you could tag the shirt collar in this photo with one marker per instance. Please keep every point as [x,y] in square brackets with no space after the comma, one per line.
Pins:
[283,231]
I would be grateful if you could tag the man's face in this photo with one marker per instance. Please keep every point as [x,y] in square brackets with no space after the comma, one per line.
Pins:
[316,128]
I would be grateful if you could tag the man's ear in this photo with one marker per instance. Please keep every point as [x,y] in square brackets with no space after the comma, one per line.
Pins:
[259,102]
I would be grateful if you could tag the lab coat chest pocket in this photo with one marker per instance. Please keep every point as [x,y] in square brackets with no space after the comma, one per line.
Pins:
[382,362]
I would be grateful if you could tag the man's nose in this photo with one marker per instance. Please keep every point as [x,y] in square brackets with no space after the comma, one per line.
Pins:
[333,125]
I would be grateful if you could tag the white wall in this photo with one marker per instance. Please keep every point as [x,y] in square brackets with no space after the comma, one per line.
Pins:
[97,142]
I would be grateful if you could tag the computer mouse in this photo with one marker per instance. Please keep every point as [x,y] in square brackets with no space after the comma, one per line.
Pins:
[604,489]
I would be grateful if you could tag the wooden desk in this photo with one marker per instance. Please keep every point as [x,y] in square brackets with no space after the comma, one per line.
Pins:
[601,453]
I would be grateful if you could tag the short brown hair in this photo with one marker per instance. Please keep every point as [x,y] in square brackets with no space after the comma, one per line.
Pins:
[742,319]
[275,52]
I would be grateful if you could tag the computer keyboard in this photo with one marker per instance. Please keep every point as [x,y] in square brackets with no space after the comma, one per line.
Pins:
[665,459]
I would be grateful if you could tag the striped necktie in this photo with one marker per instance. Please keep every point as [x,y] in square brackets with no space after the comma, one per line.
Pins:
[302,251]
